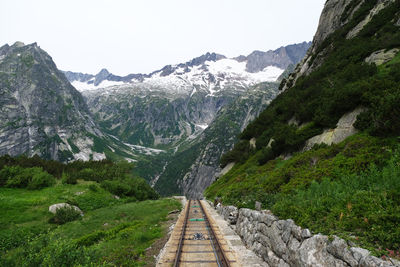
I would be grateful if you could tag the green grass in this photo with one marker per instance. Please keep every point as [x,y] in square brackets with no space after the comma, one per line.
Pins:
[349,189]
[363,208]
[250,182]
[119,230]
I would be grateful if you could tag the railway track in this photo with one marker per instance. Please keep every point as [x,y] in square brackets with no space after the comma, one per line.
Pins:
[196,241]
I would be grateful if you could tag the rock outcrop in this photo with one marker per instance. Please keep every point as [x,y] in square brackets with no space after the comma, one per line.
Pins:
[344,128]
[380,5]
[53,208]
[382,56]
[283,243]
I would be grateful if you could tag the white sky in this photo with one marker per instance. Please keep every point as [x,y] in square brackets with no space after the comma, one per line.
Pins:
[140,36]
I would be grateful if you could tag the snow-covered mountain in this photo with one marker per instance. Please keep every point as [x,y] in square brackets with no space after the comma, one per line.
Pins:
[193,111]
[211,72]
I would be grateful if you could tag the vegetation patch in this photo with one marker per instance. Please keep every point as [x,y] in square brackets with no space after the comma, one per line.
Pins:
[348,189]
[64,215]
[112,232]
[341,84]
[315,187]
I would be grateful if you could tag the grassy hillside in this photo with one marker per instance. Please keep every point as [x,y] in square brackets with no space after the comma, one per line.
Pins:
[349,189]
[113,231]
[342,83]
[345,189]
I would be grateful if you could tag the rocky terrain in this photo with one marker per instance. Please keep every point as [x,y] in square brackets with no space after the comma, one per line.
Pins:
[41,113]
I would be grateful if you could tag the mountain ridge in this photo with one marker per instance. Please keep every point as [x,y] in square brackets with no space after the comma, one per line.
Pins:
[281,58]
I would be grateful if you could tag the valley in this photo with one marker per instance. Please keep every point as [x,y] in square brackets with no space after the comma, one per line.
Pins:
[184,109]
[289,156]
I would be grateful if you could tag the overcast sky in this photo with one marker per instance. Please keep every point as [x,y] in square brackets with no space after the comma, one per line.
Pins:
[140,36]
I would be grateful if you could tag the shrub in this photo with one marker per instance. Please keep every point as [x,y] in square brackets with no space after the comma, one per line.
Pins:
[68,179]
[41,179]
[31,178]
[64,215]
[239,153]
[87,174]
[9,172]
[94,187]
[17,176]
[265,155]
[130,187]
[90,239]
[118,188]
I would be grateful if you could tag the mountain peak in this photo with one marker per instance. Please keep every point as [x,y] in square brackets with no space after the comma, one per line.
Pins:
[18,44]
[103,71]
[203,58]
[281,57]
[102,75]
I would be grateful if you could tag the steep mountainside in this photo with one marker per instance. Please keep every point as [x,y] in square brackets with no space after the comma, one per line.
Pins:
[325,151]
[195,165]
[173,109]
[42,114]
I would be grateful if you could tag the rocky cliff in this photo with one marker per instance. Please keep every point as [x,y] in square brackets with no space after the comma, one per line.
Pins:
[41,113]
[335,15]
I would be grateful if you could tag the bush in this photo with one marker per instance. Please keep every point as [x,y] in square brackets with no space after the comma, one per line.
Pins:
[90,239]
[130,187]
[64,215]
[94,187]
[118,188]
[49,251]
[31,178]
[18,177]
[239,153]
[41,179]
[265,155]
[68,179]
[7,173]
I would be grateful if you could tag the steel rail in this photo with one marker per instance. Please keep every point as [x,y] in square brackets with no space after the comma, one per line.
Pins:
[179,252]
[220,255]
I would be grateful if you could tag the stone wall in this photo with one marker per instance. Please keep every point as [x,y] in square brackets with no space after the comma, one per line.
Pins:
[282,243]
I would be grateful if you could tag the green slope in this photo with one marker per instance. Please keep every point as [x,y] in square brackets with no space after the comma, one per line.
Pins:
[349,189]
[114,231]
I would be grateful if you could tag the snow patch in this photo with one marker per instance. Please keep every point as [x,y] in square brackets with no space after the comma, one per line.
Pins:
[144,150]
[202,126]
[84,86]
[210,77]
